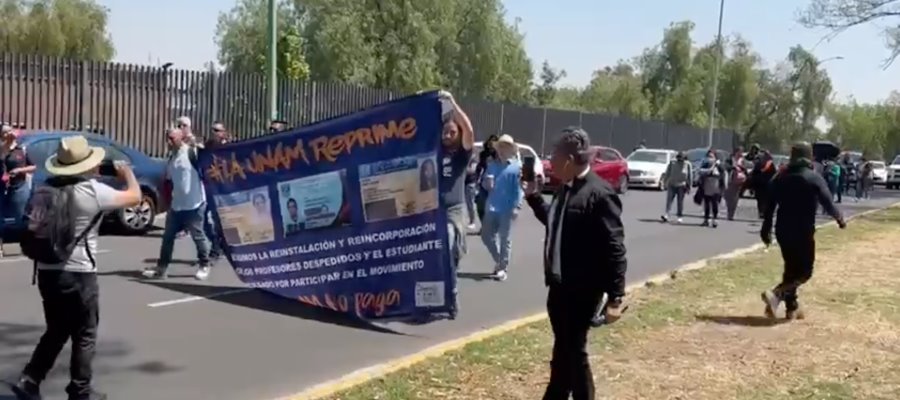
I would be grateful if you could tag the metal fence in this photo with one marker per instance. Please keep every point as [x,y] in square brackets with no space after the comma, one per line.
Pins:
[134,104]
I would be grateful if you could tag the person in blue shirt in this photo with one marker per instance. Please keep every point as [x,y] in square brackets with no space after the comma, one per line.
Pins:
[503,178]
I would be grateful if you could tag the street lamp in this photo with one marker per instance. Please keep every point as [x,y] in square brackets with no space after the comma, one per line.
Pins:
[715,93]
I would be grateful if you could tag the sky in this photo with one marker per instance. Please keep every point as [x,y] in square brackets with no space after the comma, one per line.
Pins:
[579,36]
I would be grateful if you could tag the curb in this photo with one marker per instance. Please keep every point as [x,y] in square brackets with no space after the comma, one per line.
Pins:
[377,371]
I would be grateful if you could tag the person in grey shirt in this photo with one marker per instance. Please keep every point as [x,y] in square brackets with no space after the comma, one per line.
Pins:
[678,173]
[69,290]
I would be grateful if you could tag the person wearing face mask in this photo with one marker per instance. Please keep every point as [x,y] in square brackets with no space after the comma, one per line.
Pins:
[712,185]
[737,176]
[678,177]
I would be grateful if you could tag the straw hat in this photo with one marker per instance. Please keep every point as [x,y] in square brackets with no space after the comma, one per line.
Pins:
[74,156]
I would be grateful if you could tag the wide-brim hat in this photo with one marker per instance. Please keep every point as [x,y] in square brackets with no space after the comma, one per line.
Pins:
[506,139]
[74,156]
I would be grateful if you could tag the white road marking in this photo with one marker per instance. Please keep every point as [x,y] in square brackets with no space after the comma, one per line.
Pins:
[23,258]
[195,298]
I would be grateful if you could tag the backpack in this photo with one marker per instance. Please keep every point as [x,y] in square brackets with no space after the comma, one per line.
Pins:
[49,236]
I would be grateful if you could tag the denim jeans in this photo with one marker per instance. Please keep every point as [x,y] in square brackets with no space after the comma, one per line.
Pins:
[209,228]
[495,231]
[13,206]
[71,310]
[193,222]
[471,192]
[676,194]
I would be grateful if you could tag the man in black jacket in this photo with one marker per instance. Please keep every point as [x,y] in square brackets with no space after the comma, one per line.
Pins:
[584,257]
[795,194]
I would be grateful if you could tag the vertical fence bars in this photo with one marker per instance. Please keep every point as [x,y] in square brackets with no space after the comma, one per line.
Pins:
[134,104]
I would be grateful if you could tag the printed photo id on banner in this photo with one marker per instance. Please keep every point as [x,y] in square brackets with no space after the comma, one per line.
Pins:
[343,214]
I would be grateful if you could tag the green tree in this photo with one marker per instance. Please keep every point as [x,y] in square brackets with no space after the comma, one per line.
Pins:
[74,29]
[840,15]
[667,66]
[241,35]
[546,89]
[618,91]
[738,88]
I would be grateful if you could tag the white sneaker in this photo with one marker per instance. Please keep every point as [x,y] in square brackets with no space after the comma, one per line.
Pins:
[472,227]
[154,273]
[202,274]
[500,276]
[679,220]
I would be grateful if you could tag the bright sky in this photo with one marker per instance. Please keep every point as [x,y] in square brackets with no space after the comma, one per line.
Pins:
[579,36]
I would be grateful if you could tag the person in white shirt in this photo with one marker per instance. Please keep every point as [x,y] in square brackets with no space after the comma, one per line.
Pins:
[187,209]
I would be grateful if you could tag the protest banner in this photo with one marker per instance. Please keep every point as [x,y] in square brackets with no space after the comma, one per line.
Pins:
[344,214]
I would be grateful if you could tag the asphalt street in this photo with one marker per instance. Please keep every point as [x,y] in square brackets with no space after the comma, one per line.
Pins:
[186,340]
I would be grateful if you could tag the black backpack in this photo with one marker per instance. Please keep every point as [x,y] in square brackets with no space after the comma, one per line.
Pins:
[49,236]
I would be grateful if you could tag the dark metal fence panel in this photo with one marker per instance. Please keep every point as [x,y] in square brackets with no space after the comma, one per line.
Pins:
[599,128]
[556,121]
[487,117]
[626,134]
[653,133]
[135,104]
[525,124]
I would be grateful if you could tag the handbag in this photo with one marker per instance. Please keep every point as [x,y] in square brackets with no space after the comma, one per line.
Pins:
[698,196]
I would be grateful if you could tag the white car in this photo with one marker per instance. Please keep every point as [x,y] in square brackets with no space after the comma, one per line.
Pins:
[892,180]
[647,167]
[524,151]
[879,172]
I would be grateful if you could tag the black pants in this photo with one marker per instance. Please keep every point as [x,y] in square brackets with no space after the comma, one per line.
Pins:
[570,312]
[762,199]
[71,310]
[481,203]
[799,254]
[711,207]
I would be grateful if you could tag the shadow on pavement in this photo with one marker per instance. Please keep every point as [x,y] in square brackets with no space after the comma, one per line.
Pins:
[744,320]
[263,301]
[17,341]
[475,276]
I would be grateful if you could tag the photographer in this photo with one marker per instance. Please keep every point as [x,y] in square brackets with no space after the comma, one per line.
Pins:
[61,237]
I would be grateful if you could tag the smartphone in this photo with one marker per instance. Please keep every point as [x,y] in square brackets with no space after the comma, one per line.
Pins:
[528,169]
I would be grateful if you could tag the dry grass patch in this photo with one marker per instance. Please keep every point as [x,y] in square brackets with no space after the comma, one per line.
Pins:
[703,336]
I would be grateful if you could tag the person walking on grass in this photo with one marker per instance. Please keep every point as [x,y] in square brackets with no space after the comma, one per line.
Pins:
[504,195]
[678,174]
[712,185]
[584,258]
[795,196]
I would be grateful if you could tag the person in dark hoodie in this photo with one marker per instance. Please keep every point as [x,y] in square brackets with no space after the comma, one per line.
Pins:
[712,185]
[487,154]
[763,172]
[796,194]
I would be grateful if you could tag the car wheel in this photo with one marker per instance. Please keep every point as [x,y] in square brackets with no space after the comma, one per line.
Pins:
[138,219]
[623,185]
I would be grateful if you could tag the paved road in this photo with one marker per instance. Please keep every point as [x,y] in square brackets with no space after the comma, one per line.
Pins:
[159,342]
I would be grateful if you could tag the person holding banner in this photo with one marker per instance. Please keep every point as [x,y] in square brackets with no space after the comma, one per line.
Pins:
[457,141]
[584,258]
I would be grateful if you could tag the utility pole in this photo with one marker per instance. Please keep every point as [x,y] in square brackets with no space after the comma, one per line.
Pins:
[273,60]
[715,93]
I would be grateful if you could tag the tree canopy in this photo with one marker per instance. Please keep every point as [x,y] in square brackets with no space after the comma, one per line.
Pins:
[74,29]
[840,15]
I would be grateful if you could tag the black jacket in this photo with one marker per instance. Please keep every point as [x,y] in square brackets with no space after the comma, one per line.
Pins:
[796,194]
[592,247]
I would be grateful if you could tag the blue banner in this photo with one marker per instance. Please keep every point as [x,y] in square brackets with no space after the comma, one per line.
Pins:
[344,214]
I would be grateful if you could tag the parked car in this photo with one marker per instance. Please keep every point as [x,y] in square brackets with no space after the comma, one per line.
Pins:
[892,181]
[40,145]
[696,156]
[607,163]
[879,172]
[647,167]
[524,151]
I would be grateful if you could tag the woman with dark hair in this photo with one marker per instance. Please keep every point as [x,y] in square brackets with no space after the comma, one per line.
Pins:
[488,154]
[712,184]
[427,175]
[737,176]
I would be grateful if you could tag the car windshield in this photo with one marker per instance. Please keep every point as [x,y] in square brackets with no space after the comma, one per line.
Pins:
[878,164]
[649,156]
[896,161]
